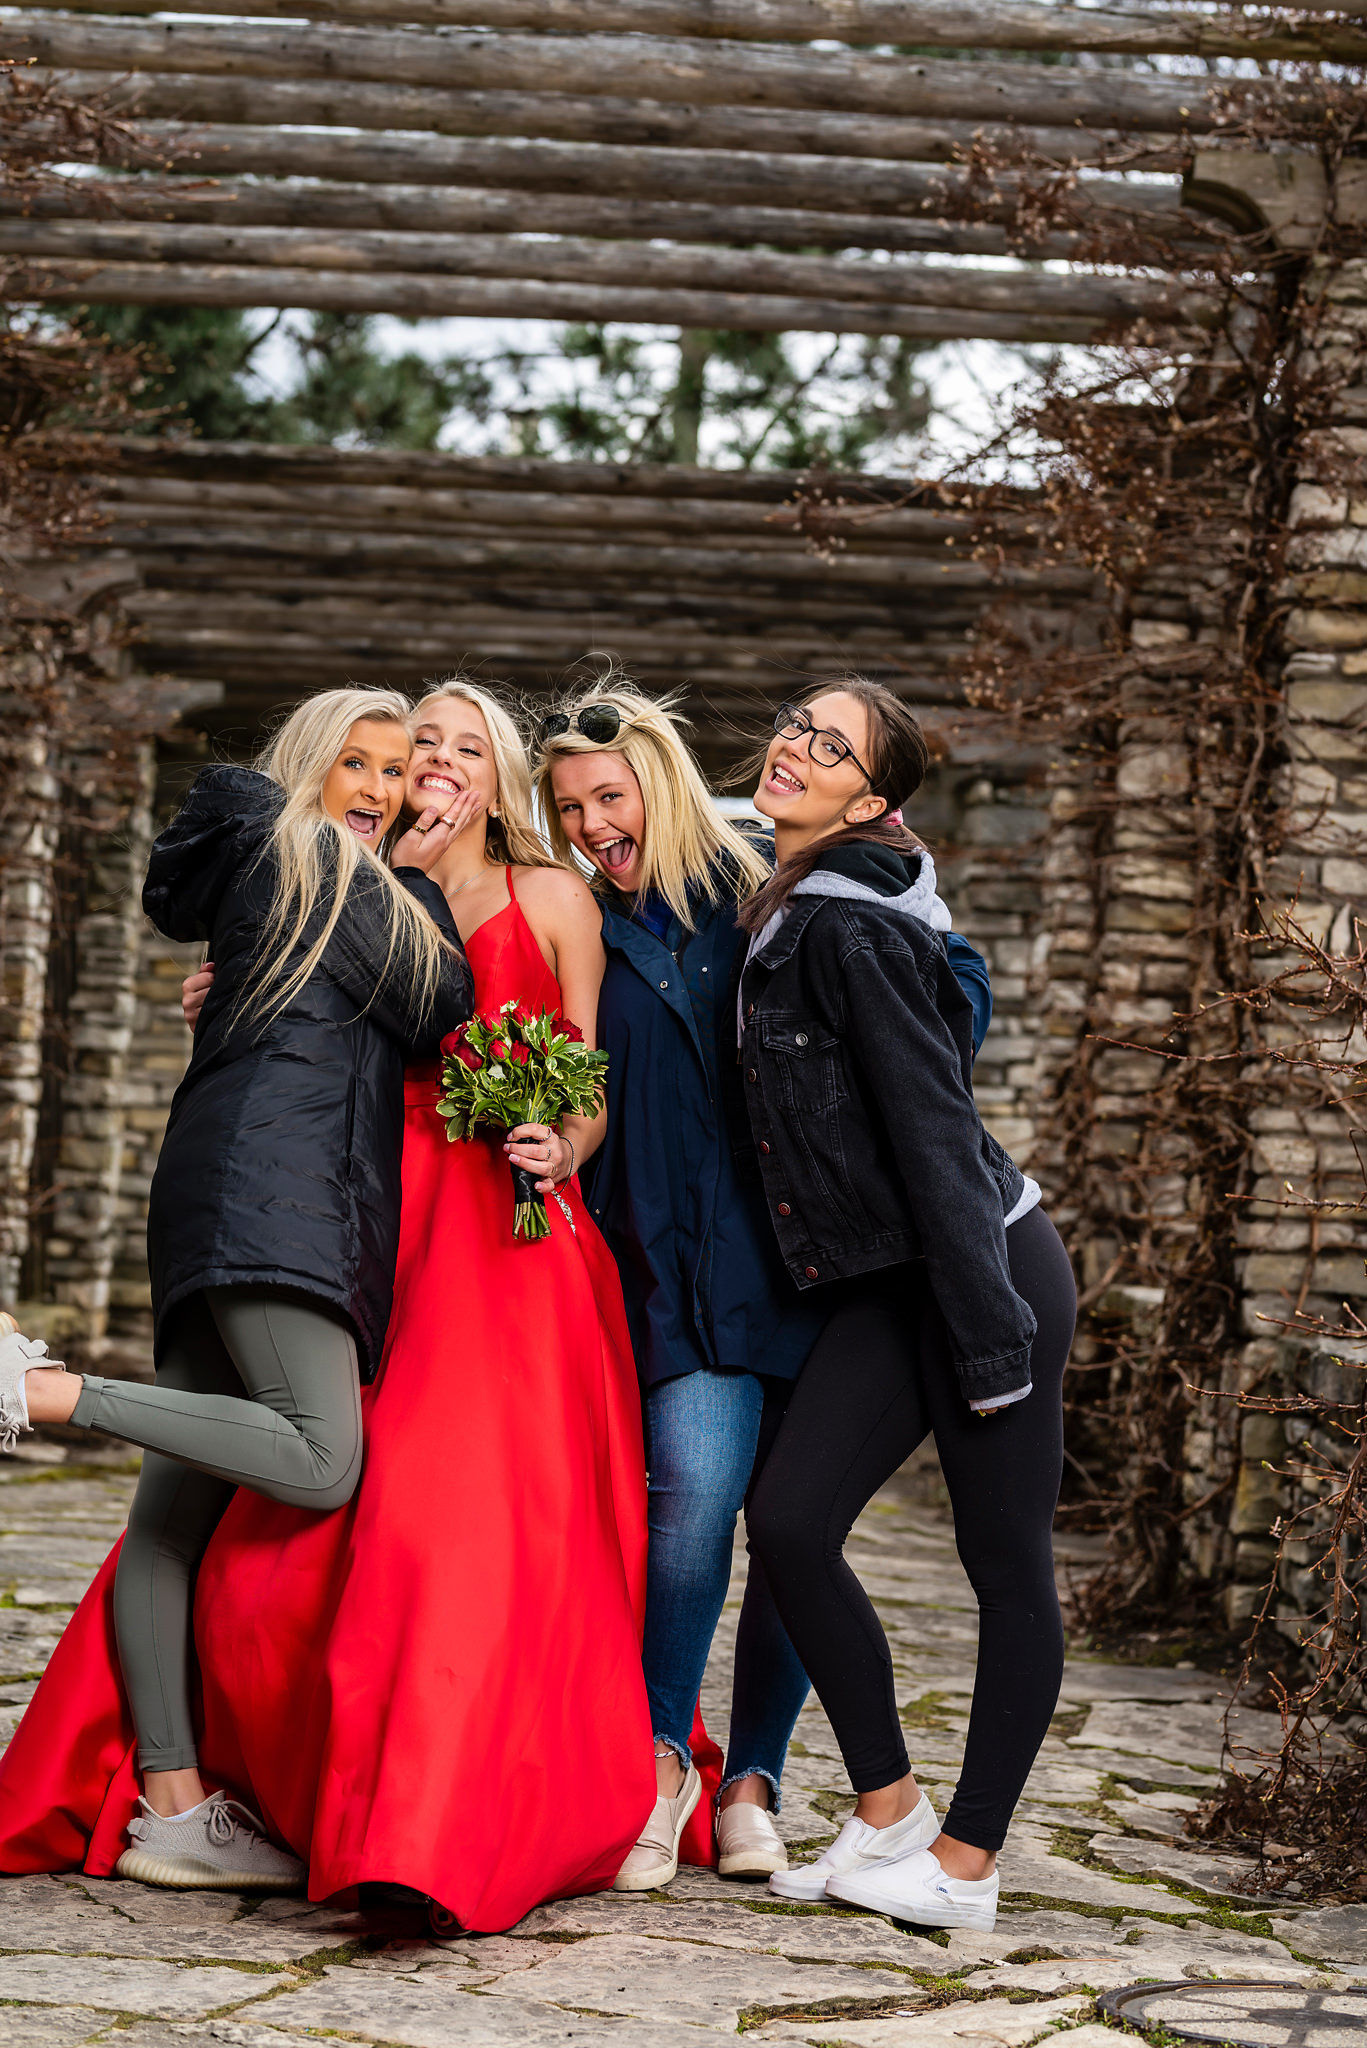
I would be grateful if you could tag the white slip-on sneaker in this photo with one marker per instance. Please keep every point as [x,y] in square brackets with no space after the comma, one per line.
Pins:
[655,1858]
[216,1846]
[859,1847]
[19,1355]
[748,1843]
[915,1889]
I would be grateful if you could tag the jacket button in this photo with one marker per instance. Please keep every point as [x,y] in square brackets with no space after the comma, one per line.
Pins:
[784,1210]
[801,1038]
[664,984]
[810,1272]
[764,1148]
[751,1075]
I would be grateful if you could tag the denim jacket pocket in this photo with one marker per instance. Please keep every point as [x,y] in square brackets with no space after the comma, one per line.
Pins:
[806,1063]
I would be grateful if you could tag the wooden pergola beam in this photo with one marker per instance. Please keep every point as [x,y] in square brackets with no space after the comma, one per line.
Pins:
[409,507]
[752,276]
[937,24]
[855,185]
[594,563]
[71,281]
[620,122]
[654,70]
[429,210]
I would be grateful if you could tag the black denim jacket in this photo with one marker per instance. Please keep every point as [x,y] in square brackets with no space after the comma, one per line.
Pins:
[856,1067]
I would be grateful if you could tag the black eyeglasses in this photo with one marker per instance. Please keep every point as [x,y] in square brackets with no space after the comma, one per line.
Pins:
[827,749]
[597,722]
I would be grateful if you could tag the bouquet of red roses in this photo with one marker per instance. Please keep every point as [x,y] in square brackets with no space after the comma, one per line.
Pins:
[515,1066]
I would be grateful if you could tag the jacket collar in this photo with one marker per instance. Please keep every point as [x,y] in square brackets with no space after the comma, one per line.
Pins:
[780,947]
[654,963]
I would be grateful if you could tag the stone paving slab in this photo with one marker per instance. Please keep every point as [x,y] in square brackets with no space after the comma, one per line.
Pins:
[991,2024]
[1101,1888]
[164,1990]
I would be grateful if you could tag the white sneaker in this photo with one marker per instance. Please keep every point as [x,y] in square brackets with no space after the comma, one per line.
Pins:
[655,1858]
[916,1890]
[19,1355]
[748,1843]
[216,1846]
[859,1847]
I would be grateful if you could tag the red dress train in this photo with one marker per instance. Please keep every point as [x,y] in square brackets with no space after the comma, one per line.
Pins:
[440,1684]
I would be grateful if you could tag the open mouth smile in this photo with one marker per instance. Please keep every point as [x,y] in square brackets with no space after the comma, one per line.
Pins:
[783,782]
[364,822]
[439,785]
[614,854]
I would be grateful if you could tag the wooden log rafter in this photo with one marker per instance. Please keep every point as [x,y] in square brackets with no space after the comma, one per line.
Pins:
[596,562]
[410,506]
[566,260]
[73,281]
[651,70]
[191,97]
[429,210]
[854,185]
[1030,25]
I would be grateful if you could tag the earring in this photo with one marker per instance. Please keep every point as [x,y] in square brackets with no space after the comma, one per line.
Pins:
[492,812]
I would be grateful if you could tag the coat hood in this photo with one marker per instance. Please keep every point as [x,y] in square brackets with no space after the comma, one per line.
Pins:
[868,873]
[223,820]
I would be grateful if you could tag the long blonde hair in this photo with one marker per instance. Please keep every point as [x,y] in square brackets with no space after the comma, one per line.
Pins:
[686,836]
[512,835]
[317,859]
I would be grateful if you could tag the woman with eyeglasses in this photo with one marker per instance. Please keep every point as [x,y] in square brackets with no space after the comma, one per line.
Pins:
[947,1295]
[719,1329]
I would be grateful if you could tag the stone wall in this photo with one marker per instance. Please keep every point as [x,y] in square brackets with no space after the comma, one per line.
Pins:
[1303,1239]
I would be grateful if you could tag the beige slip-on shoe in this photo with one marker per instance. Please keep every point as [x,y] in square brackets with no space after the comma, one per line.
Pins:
[748,1843]
[655,1858]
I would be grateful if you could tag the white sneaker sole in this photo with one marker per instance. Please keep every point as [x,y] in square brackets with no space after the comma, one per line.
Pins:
[798,1884]
[188,1876]
[874,1897]
[662,1873]
[753,1863]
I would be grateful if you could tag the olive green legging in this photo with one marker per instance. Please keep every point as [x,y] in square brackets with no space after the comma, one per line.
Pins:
[255,1387]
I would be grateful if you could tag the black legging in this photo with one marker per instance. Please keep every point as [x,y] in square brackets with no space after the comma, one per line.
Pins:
[879,1379]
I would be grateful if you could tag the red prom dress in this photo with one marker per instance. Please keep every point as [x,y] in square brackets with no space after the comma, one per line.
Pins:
[440,1684]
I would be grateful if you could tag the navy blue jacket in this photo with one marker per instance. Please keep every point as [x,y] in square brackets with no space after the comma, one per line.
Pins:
[704,1282]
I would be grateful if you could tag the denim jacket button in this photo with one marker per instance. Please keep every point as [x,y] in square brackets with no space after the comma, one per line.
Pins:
[784,1210]
[810,1272]
[764,1147]
[751,1075]
[801,1038]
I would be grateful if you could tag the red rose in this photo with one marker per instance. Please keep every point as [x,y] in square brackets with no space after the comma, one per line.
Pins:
[492,1021]
[453,1039]
[571,1030]
[468,1057]
[498,1050]
[518,1055]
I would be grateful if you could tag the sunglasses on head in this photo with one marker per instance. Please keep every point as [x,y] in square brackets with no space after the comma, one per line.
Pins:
[597,722]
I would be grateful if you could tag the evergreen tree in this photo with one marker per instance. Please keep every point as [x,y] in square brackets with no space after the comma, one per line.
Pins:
[604,393]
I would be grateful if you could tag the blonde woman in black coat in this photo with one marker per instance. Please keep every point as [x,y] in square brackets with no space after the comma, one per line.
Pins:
[274,1211]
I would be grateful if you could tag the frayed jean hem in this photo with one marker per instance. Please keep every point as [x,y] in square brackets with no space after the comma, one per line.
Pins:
[680,1749]
[755,1771]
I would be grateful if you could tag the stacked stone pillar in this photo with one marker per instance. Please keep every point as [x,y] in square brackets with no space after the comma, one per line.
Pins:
[1303,1238]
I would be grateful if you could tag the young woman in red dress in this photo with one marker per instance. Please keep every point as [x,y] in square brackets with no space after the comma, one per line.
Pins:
[437,1685]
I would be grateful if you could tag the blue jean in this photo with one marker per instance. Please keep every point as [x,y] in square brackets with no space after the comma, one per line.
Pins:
[703,1430]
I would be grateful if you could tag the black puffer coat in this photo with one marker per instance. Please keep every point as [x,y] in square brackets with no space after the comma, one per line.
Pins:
[280,1164]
